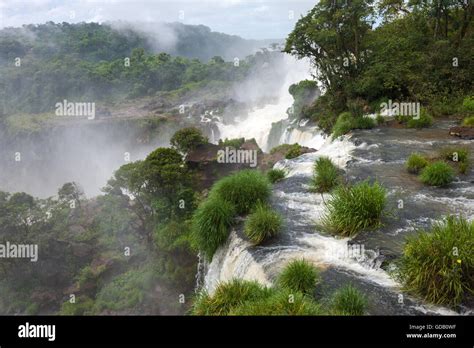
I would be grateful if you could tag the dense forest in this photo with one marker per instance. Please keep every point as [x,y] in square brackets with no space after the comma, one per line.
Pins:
[43,64]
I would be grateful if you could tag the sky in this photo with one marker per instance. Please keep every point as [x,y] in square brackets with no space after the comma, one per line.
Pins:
[250,19]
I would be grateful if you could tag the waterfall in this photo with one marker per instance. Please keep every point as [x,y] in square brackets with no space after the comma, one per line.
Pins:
[258,122]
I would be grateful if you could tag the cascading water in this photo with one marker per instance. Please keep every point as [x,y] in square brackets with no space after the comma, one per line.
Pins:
[302,238]
[258,122]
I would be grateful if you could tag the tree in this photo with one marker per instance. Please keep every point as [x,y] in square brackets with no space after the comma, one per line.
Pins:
[187,139]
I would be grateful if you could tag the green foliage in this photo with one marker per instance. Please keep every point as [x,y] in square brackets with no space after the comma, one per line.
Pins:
[416,163]
[303,94]
[83,306]
[380,119]
[437,174]
[125,291]
[346,122]
[235,143]
[299,276]
[293,151]
[468,121]
[211,222]
[173,235]
[262,223]
[438,265]
[425,120]
[275,175]
[355,208]
[454,154]
[228,296]
[279,303]
[349,301]
[243,190]
[468,104]
[326,175]
[401,56]
[187,139]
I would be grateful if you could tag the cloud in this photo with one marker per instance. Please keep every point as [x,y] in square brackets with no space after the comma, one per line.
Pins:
[257,19]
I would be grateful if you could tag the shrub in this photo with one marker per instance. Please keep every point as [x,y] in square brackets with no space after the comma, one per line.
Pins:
[82,306]
[349,301]
[187,139]
[227,296]
[262,224]
[275,175]
[416,163]
[468,104]
[346,122]
[363,123]
[437,174]
[293,151]
[243,189]
[211,222]
[455,154]
[280,303]
[468,121]
[125,291]
[438,265]
[280,148]
[343,125]
[352,209]
[326,175]
[299,276]
[235,143]
[425,120]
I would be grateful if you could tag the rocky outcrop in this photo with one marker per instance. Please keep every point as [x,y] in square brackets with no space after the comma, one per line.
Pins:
[466,133]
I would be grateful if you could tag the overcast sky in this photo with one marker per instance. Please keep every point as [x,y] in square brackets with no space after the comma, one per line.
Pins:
[252,19]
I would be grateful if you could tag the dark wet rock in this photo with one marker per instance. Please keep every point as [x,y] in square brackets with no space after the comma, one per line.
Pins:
[466,133]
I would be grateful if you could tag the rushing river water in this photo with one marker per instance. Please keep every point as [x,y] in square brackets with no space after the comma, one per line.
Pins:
[377,154]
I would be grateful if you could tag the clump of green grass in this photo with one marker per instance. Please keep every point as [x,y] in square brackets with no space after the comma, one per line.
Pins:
[262,224]
[425,120]
[438,265]
[437,174]
[210,224]
[455,154]
[355,208]
[243,190]
[275,175]
[228,296]
[468,121]
[346,122]
[280,303]
[416,163]
[349,301]
[293,151]
[326,175]
[299,276]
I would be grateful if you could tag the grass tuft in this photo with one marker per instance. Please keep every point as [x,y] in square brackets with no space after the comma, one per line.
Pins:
[211,222]
[275,175]
[438,265]
[227,296]
[349,301]
[352,209]
[243,190]
[416,163]
[326,175]
[262,224]
[437,174]
[299,276]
